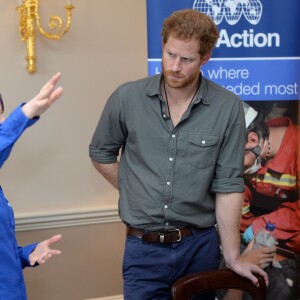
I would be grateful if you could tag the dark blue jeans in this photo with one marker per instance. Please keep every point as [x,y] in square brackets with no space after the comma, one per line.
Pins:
[149,270]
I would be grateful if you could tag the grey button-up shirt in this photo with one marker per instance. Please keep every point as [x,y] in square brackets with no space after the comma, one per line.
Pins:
[168,176]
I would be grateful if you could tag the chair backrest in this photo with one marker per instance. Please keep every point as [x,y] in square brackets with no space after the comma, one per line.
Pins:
[202,282]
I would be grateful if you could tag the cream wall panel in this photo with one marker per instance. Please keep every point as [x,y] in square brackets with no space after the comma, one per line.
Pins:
[49,171]
[89,267]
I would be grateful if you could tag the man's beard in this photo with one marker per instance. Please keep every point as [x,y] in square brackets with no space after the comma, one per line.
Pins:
[179,81]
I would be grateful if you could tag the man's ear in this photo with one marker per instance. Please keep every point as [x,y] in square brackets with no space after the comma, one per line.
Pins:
[252,140]
[205,58]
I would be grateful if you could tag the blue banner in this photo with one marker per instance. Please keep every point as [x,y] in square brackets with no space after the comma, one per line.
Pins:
[258,53]
[257,57]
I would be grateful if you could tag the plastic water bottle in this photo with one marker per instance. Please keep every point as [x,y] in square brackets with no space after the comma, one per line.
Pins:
[266,237]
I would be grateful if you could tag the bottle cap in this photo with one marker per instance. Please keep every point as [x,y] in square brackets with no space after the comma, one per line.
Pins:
[270,225]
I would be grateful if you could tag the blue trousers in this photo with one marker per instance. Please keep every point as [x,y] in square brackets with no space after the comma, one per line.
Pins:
[149,270]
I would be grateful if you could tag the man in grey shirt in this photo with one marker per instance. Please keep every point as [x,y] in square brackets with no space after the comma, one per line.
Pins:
[182,148]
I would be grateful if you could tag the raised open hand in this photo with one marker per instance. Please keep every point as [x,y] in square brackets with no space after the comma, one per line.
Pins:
[44,99]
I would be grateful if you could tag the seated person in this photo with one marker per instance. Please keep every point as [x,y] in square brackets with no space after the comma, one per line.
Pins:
[272,181]
[271,168]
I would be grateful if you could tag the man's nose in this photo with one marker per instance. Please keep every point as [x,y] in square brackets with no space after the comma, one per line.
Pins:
[176,66]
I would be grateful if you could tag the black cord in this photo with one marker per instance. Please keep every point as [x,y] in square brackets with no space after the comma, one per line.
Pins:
[167,95]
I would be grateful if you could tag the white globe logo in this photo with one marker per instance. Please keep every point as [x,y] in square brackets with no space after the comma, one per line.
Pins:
[232,10]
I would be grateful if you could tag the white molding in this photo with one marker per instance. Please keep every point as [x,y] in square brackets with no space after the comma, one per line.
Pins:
[66,219]
[117,297]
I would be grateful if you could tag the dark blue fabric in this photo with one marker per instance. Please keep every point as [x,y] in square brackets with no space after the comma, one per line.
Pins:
[149,270]
[12,257]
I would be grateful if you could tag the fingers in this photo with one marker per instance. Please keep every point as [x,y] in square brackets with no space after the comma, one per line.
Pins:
[249,247]
[268,250]
[54,239]
[44,257]
[262,273]
[251,244]
[265,252]
[49,93]
[248,270]
[51,82]
[249,273]
[47,90]
[40,259]
[55,252]
[32,261]
[262,257]
[254,280]
[56,94]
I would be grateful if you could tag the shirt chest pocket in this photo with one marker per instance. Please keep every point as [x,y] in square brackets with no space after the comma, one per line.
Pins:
[202,150]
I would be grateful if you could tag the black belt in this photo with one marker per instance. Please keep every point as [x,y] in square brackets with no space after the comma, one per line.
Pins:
[162,237]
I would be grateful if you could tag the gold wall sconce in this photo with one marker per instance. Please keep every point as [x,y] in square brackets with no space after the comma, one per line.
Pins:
[30,21]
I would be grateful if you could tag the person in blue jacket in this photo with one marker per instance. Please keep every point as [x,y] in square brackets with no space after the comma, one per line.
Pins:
[14,258]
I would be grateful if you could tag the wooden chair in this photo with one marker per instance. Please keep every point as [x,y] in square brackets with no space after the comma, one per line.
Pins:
[203,282]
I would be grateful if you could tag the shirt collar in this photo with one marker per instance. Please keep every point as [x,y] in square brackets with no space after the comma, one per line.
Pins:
[202,95]
[154,87]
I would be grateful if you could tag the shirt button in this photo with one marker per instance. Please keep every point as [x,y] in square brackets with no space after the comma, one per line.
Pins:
[164,116]
[173,136]
[168,182]
[203,142]
[167,223]
[166,206]
[170,159]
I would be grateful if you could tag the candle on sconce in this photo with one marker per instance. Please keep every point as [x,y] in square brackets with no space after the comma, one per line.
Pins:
[69,2]
[20,2]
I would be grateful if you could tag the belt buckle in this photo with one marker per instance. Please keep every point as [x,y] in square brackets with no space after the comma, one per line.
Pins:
[162,236]
[179,235]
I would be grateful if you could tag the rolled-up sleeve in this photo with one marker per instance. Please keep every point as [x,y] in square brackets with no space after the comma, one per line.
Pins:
[110,134]
[230,163]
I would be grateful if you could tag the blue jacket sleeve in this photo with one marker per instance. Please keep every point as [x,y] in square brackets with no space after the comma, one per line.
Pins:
[10,130]
[24,253]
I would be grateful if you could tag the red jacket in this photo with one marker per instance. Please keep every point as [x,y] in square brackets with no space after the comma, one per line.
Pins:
[273,192]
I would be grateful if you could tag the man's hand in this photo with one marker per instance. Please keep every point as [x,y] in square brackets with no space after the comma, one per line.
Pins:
[42,251]
[244,267]
[228,212]
[44,99]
